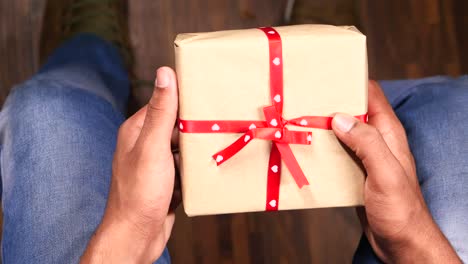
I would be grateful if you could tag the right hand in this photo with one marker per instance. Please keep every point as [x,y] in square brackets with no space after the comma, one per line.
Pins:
[138,219]
[395,219]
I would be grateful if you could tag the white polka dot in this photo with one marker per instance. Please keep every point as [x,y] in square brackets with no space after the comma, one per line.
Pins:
[181,126]
[252,126]
[219,158]
[246,138]
[278,134]
[215,127]
[272,203]
[273,122]
[277,98]
[274,168]
[271,32]
[309,138]
[276,61]
[303,122]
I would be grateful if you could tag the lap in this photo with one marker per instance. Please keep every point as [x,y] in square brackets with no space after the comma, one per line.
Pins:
[57,137]
[56,156]
[57,144]
[433,112]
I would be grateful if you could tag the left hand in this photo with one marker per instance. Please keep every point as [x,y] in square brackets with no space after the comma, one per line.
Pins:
[137,222]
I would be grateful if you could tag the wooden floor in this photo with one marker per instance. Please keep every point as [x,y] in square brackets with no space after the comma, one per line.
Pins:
[406,39]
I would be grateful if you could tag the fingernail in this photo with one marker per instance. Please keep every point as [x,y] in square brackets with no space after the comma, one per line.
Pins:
[344,122]
[162,78]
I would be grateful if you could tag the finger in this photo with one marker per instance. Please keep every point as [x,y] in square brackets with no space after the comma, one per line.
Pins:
[177,192]
[382,116]
[161,113]
[165,233]
[168,225]
[130,130]
[368,144]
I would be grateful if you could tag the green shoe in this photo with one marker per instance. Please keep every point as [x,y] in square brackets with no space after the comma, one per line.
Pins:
[104,18]
[336,12]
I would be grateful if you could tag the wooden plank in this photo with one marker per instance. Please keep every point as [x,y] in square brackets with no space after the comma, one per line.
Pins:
[37,17]
[154,24]
[459,14]
[20,23]
[410,39]
[15,44]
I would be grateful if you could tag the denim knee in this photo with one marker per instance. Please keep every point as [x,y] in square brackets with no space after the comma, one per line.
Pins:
[57,147]
[49,122]
[434,116]
[433,112]
[435,119]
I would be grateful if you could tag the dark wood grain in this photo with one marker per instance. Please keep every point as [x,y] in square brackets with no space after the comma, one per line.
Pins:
[412,39]
[406,39]
[154,25]
[19,21]
[460,17]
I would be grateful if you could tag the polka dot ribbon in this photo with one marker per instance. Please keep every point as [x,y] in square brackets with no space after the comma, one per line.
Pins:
[272,129]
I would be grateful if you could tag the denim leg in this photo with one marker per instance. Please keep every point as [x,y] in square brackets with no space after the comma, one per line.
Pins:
[58,134]
[434,113]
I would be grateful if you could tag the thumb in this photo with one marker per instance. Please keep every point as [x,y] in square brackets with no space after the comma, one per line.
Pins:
[370,147]
[161,111]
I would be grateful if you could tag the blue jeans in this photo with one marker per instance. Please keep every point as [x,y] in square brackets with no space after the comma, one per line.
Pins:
[57,138]
[58,134]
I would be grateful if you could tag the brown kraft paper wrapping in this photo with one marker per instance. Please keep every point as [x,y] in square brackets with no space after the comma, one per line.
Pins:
[225,76]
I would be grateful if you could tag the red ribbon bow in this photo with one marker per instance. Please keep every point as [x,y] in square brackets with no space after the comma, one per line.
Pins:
[273,129]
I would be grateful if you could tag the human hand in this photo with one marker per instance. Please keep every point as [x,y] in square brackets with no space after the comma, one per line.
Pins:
[137,222]
[395,219]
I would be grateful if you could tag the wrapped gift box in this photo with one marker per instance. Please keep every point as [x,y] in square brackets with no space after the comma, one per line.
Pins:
[261,93]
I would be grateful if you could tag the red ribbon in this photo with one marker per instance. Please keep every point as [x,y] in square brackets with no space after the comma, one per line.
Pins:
[273,129]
